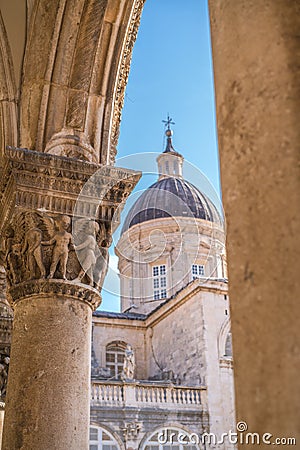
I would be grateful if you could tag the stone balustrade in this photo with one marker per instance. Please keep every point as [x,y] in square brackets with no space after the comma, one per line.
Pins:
[119,394]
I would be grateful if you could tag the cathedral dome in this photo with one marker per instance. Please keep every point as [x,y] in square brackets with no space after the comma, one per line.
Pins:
[171,197]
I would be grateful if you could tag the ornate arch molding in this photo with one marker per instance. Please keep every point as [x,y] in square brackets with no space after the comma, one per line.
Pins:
[75,72]
[8,95]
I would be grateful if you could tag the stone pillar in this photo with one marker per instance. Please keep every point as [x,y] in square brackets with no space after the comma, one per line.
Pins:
[255,48]
[48,397]
[57,218]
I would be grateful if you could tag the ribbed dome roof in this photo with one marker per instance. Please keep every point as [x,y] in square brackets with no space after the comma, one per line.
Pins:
[171,197]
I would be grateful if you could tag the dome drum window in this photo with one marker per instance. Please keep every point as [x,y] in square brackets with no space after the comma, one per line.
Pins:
[159,282]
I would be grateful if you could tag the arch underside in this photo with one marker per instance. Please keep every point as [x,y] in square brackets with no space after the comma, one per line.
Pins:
[75,69]
[8,94]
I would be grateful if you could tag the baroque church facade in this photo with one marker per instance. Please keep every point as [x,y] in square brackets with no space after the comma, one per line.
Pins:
[173,328]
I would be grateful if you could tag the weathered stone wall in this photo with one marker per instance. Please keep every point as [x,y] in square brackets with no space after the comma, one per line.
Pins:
[177,344]
[218,369]
[256,63]
[188,342]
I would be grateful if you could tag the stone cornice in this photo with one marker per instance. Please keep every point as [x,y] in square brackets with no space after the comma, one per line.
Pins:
[166,308]
[44,182]
[173,224]
[120,322]
[226,363]
[181,297]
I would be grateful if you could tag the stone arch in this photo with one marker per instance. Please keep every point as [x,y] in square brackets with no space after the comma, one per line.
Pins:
[118,337]
[120,343]
[8,95]
[109,431]
[73,93]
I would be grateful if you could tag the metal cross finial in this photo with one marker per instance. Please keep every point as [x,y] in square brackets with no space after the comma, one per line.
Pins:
[168,122]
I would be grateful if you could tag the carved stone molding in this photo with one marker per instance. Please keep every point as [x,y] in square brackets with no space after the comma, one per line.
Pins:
[44,182]
[8,94]
[82,60]
[73,144]
[39,288]
[131,430]
[123,75]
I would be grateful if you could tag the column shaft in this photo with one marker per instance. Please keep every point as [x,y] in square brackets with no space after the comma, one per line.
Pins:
[49,381]
[255,49]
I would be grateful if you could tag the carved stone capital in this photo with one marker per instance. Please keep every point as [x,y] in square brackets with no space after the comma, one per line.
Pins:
[44,251]
[57,218]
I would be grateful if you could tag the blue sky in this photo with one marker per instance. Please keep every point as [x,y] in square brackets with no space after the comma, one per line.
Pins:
[171,71]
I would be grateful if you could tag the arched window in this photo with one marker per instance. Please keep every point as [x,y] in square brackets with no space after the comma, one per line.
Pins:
[171,439]
[102,440]
[115,353]
[228,345]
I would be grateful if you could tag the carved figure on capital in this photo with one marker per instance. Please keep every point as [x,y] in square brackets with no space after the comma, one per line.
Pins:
[4,366]
[61,239]
[88,236]
[24,258]
[42,245]
[37,243]
[32,249]
[12,257]
[104,241]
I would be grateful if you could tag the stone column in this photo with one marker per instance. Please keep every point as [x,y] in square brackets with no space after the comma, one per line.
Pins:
[48,391]
[57,220]
[256,64]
